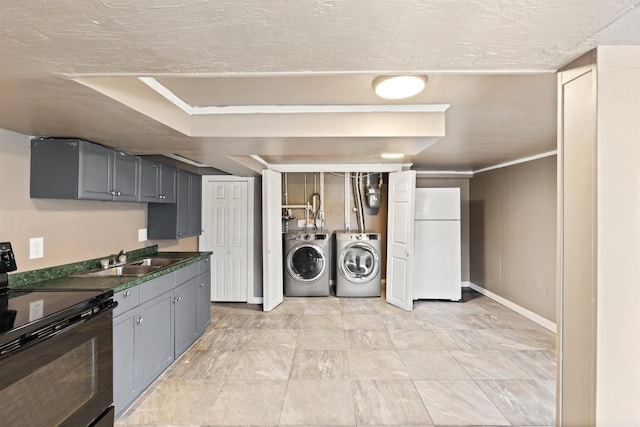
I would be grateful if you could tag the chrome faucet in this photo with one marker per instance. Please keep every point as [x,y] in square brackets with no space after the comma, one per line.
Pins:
[118,258]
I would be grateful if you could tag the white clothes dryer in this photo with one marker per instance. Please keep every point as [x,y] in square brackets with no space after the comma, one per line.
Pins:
[306,259]
[358,269]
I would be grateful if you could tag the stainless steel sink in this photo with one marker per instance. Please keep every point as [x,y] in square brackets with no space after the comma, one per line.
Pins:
[136,268]
[156,261]
[123,270]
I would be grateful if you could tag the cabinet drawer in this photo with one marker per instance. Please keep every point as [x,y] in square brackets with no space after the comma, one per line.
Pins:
[127,299]
[157,286]
[205,265]
[187,273]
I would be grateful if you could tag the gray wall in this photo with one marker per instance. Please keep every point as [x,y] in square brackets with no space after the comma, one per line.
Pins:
[463,184]
[513,234]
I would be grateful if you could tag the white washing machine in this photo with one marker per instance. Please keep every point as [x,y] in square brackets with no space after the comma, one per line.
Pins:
[358,264]
[306,259]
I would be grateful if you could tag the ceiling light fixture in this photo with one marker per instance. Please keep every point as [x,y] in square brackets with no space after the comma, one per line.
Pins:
[392,155]
[399,87]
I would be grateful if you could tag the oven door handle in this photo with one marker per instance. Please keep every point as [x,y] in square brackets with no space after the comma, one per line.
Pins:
[58,328]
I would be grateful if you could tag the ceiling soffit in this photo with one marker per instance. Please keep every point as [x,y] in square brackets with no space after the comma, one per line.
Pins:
[424,121]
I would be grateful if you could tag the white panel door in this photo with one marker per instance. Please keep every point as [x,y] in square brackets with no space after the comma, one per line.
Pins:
[237,250]
[272,285]
[400,239]
[226,235]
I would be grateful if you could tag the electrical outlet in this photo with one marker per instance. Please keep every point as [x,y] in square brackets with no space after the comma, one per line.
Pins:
[142,234]
[36,247]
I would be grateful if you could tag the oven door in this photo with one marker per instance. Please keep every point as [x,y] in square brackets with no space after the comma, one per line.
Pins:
[62,379]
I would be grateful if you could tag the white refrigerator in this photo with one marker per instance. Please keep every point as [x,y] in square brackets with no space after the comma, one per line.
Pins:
[438,268]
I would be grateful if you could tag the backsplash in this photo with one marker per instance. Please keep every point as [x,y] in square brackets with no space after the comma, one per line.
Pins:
[34,276]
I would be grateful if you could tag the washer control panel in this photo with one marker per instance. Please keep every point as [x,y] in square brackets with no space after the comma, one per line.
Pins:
[306,236]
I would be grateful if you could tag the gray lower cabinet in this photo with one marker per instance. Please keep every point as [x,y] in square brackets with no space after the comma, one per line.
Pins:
[156,337]
[153,324]
[185,310]
[180,219]
[125,360]
[203,301]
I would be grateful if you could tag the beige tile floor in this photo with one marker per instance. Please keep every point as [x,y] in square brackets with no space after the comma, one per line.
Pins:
[359,361]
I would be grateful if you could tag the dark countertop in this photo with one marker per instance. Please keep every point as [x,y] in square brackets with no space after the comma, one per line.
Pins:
[58,278]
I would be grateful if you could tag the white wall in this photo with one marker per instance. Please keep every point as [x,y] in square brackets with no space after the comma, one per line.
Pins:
[618,237]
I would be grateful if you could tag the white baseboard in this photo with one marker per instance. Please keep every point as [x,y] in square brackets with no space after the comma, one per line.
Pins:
[545,323]
[466,284]
[254,300]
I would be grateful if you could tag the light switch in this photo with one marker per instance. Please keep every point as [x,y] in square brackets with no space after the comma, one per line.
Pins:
[36,247]
[142,234]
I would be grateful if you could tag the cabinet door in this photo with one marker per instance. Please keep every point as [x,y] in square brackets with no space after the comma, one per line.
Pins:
[96,172]
[126,176]
[185,315]
[156,337]
[125,360]
[203,302]
[195,205]
[168,183]
[183,203]
[149,181]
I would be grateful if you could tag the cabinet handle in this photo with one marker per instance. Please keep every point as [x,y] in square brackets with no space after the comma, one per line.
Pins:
[201,284]
[117,193]
[126,293]
[139,321]
[176,299]
[207,260]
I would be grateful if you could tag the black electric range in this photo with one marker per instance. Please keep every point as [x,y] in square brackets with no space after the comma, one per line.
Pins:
[56,354]
[24,310]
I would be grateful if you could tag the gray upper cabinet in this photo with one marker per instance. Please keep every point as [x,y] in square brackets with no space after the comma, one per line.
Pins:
[180,219]
[126,176]
[77,169]
[95,173]
[158,182]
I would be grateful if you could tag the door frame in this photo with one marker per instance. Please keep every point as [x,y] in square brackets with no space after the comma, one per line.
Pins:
[253,276]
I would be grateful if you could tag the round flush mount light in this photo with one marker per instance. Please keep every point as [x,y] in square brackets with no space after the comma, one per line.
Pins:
[392,155]
[399,87]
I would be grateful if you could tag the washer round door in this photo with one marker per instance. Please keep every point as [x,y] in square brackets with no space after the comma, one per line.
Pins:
[359,263]
[306,262]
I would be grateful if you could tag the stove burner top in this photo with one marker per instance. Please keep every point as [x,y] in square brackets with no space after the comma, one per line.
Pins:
[23,310]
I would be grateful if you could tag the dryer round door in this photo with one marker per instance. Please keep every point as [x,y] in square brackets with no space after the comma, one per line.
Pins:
[359,263]
[306,262]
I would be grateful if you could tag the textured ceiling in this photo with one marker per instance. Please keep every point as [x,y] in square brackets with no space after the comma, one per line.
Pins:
[491,61]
